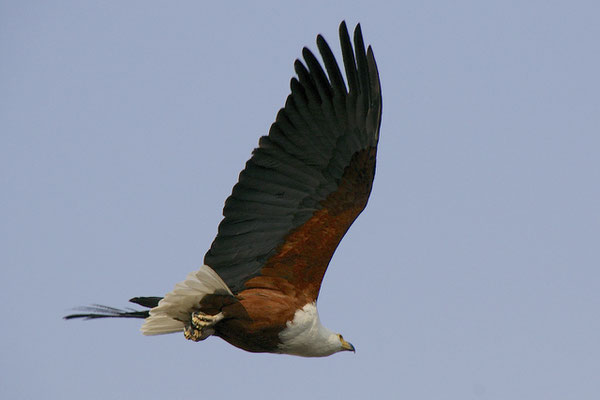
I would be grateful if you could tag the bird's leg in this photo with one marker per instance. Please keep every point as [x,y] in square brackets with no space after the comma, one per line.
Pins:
[201,326]
[201,320]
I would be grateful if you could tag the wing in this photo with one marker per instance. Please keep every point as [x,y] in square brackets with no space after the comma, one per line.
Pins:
[309,178]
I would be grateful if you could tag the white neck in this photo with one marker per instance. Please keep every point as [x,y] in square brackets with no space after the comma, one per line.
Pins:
[305,336]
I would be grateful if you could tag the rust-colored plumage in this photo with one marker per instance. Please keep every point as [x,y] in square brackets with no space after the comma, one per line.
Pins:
[305,254]
[304,186]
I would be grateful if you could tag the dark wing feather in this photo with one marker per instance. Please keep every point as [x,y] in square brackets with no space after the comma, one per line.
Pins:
[309,178]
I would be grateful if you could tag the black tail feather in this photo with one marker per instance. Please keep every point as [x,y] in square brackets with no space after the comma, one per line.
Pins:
[99,311]
[149,302]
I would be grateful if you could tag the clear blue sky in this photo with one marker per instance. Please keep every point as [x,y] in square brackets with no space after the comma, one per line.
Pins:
[473,273]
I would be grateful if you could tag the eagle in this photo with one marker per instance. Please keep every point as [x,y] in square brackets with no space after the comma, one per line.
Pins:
[301,190]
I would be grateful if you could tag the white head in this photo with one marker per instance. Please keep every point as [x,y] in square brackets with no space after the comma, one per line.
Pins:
[305,336]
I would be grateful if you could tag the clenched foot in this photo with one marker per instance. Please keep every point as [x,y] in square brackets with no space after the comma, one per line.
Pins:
[202,326]
[193,334]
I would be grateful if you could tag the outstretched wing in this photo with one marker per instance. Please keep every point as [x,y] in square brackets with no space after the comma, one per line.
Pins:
[309,178]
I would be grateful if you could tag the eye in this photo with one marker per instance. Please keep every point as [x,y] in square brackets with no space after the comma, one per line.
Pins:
[341,337]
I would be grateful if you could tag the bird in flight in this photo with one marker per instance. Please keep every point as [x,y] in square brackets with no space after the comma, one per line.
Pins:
[305,184]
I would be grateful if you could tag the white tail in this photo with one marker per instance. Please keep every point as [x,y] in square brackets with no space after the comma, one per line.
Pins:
[175,308]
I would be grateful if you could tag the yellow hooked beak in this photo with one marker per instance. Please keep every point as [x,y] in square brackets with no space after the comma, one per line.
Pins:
[347,346]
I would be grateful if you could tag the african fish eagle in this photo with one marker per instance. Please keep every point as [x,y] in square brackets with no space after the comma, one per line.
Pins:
[299,193]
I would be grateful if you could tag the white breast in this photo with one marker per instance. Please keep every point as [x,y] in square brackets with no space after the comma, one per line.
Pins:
[305,336]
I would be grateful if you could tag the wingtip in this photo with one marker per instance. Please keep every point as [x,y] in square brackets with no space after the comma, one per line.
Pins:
[343,30]
[358,37]
[306,52]
[357,31]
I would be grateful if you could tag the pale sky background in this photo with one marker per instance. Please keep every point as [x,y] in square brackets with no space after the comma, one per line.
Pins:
[472,274]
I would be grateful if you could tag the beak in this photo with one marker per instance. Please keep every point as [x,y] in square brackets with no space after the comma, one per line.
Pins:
[347,346]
